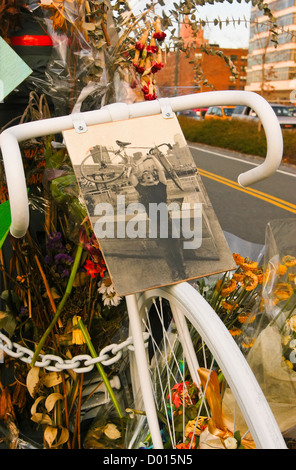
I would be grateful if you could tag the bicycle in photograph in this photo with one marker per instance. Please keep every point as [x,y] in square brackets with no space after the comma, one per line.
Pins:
[106,170]
[178,345]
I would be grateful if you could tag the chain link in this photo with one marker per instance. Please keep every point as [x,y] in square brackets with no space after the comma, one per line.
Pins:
[81,364]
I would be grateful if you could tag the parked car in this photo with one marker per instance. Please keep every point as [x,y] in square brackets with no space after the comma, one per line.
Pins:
[188,113]
[201,112]
[284,115]
[292,110]
[219,112]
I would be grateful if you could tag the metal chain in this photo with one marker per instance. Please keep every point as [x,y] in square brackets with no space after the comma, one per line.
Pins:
[81,364]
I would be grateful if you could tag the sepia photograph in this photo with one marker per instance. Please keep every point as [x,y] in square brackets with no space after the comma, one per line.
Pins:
[146,203]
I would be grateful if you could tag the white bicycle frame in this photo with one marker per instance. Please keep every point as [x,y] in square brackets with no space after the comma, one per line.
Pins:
[17,190]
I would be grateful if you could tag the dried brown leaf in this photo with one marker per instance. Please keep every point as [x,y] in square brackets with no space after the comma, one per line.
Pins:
[64,436]
[52,379]
[50,435]
[51,400]
[35,404]
[41,418]
[32,379]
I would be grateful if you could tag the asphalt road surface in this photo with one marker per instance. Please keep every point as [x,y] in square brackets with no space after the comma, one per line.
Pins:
[244,212]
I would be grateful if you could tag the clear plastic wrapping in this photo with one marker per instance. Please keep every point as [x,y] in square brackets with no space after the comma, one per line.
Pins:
[273,356]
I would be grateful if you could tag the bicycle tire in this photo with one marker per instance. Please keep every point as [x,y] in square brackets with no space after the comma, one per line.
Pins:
[186,302]
[109,168]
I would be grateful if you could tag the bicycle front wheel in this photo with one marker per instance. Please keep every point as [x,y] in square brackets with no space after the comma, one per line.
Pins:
[194,385]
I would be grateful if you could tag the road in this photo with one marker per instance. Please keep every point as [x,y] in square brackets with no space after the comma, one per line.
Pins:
[244,212]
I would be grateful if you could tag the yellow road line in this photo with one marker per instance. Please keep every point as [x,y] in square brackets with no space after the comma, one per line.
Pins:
[252,192]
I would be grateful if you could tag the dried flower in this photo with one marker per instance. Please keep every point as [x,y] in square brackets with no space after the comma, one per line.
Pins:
[227,287]
[77,336]
[112,431]
[152,48]
[292,322]
[250,281]
[141,44]
[159,34]
[283,291]
[235,331]
[289,260]
[246,318]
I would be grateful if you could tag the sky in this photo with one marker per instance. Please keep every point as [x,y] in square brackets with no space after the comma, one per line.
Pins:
[229,36]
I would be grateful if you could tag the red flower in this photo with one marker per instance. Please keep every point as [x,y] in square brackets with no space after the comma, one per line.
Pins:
[183,394]
[150,96]
[152,49]
[140,69]
[160,36]
[156,66]
[92,269]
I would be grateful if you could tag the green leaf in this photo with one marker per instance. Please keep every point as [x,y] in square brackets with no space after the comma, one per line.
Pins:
[237,436]
[5,221]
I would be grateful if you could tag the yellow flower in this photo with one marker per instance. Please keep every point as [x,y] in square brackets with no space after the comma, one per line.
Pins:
[286,340]
[77,336]
[288,363]
[197,428]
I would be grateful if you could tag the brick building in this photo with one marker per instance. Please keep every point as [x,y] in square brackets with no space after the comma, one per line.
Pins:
[183,75]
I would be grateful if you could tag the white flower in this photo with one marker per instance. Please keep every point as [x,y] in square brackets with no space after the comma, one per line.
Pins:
[109,296]
[111,299]
[230,443]
[106,286]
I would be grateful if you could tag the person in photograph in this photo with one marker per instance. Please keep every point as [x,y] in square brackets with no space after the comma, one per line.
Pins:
[152,189]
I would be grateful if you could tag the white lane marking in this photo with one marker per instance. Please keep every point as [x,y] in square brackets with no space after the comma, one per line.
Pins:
[238,159]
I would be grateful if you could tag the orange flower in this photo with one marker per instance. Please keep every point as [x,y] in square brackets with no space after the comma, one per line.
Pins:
[246,318]
[282,269]
[289,260]
[249,265]
[250,281]
[260,275]
[227,287]
[292,277]
[248,343]
[283,291]
[238,276]
[229,305]
[238,259]
[235,331]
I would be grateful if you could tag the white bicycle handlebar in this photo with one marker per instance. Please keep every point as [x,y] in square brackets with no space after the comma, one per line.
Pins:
[12,159]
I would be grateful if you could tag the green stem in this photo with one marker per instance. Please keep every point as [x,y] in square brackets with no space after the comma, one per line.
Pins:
[99,366]
[61,304]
